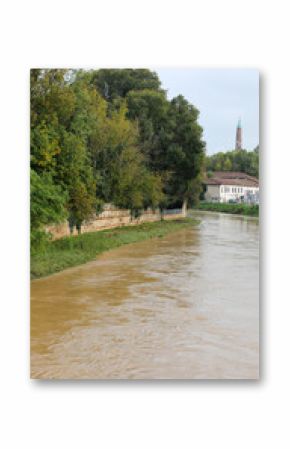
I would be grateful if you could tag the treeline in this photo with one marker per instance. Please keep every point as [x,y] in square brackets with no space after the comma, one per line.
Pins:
[109,136]
[236,160]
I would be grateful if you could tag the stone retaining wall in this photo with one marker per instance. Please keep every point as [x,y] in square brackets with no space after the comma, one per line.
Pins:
[112,217]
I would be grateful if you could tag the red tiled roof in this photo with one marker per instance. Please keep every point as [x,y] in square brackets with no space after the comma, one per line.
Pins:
[232,178]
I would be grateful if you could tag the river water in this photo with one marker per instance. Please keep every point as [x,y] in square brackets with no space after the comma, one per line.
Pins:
[182,307]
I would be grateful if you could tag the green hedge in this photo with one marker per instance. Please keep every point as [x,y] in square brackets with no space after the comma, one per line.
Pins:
[241,209]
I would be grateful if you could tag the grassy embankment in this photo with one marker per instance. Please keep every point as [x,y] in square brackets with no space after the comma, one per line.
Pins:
[72,251]
[240,209]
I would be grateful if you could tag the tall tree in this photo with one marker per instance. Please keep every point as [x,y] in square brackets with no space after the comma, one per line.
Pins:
[115,83]
[150,109]
[59,133]
[112,136]
[171,140]
[186,152]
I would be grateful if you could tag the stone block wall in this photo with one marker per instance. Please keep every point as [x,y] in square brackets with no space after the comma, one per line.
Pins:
[113,217]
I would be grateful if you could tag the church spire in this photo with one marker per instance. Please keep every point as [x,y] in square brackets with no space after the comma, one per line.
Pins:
[239,136]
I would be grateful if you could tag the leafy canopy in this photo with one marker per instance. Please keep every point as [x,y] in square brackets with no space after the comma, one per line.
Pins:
[109,135]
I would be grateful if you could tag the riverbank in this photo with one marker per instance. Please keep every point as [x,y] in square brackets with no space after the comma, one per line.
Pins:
[72,251]
[251,210]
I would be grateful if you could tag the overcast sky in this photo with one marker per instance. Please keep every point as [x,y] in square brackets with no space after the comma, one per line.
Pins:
[222,97]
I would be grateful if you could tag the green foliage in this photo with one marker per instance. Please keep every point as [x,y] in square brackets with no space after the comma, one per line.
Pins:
[59,135]
[109,136]
[47,205]
[44,147]
[240,209]
[136,188]
[150,109]
[186,152]
[236,160]
[115,83]
[52,99]
[171,141]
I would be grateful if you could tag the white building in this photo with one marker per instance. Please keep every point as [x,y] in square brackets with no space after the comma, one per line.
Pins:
[238,187]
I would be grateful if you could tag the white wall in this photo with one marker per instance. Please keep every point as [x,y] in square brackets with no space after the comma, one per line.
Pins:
[224,193]
[212,193]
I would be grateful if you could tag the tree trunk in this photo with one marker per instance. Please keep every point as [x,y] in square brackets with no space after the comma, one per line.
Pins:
[184,207]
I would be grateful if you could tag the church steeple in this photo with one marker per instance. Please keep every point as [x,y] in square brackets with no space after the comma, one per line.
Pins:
[239,136]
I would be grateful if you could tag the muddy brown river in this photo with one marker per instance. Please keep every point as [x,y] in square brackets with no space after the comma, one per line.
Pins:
[182,307]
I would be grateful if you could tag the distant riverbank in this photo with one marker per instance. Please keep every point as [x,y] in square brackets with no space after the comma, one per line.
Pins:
[72,251]
[251,210]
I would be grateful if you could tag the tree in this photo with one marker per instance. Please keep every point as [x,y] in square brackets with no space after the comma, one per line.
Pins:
[47,205]
[171,141]
[186,152]
[111,136]
[235,160]
[136,188]
[115,83]
[44,147]
[119,165]
[227,164]
[63,113]
[150,109]
[81,204]
[75,174]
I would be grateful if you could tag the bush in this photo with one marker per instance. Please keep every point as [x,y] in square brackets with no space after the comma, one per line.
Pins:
[240,209]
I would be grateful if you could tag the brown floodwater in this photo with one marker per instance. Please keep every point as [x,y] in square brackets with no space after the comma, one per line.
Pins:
[185,306]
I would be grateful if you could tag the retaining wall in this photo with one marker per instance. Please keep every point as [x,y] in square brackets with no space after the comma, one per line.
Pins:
[112,217]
